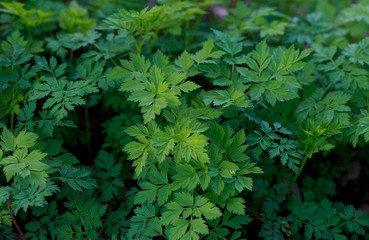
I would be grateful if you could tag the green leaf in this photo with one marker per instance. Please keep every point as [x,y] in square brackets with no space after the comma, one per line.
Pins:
[109,174]
[236,206]
[8,141]
[184,62]
[63,95]
[206,53]
[179,229]
[153,86]
[186,177]
[145,223]
[5,218]
[76,178]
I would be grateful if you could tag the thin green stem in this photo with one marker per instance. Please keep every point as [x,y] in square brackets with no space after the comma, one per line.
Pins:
[344,223]
[140,44]
[110,48]
[288,7]
[29,35]
[327,88]
[71,55]
[12,121]
[198,21]
[239,122]
[87,119]
[111,59]
[189,38]
[12,113]
[154,38]
[140,41]
[136,44]
[298,173]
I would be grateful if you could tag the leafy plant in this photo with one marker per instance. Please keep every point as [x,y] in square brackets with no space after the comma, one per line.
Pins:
[184,120]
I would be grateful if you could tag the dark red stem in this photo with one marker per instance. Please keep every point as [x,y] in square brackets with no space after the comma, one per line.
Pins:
[233,4]
[15,221]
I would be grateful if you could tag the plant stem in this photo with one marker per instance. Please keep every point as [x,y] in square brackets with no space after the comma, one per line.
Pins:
[87,119]
[15,221]
[12,113]
[139,44]
[29,35]
[110,57]
[154,38]
[239,122]
[298,173]
[187,40]
[11,122]
[71,55]
[233,3]
[113,61]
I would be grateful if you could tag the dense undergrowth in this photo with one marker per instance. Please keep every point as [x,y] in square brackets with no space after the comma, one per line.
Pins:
[184,119]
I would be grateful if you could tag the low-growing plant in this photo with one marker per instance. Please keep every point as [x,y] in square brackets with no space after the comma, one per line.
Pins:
[163,120]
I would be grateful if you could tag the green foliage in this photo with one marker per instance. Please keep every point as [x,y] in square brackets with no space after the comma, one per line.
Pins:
[269,139]
[72,41]
[153,85]
[30,18]
[144,25]
[74,18]
[326,221]
[184,207]
[109,174]
[5,218]
[266,21]
[183,119]
[65,95]
[271,75]
[19,162]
